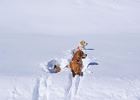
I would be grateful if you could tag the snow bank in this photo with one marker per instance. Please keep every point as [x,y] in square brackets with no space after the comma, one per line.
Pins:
[53,86]
[16,87]
[116,77]
[62,86]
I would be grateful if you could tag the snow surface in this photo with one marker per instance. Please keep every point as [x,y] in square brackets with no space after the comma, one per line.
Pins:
[116,77]
[69,16]
[34,32]
[63,87]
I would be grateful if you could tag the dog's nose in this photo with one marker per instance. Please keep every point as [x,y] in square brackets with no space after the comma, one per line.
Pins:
[85,54]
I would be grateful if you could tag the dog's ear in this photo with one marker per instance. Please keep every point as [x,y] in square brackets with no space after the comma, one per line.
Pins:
[57,69]
[55,66]
[80,55]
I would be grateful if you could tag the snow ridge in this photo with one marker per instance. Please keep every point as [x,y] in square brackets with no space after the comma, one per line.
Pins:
[46,86]
[62,86]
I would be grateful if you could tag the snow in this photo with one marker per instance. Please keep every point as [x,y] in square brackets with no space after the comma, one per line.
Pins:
[111,69]
[69,16]
[62,86]
[34,32]
[16,87]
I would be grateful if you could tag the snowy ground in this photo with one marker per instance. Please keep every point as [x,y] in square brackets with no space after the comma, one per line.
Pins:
[16,88]
[115,78]
[69,16]
[34,32]
[63,87]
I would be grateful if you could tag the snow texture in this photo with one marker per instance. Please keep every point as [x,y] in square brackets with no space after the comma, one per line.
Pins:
[33,32]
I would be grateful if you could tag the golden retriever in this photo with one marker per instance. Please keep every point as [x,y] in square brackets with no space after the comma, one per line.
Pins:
[76,63]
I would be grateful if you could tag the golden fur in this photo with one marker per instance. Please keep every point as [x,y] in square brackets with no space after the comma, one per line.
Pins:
[76,63]
[82,44]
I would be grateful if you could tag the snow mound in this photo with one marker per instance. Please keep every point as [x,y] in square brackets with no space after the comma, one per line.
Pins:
[62,86]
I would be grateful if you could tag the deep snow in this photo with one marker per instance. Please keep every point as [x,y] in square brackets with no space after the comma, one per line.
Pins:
[117,54]
[69,16]
[63,87]
[34,32]
[115,78]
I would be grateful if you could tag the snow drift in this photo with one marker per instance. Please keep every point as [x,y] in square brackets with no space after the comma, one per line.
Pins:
[32,32]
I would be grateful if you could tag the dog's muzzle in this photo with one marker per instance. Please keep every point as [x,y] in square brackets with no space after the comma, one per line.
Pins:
[85,55]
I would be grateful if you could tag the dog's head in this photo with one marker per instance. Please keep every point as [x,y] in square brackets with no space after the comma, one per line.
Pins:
[57,68]
[80,55]
[83,43]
